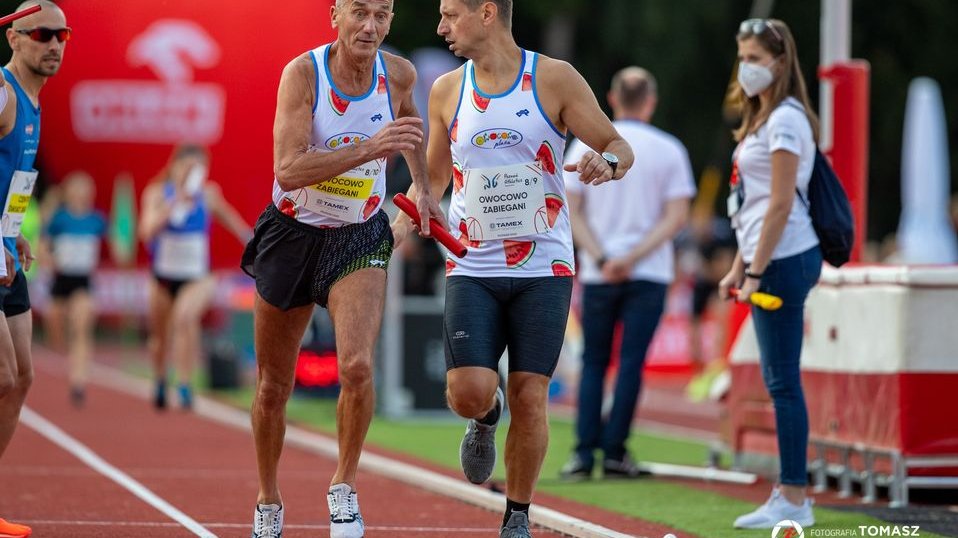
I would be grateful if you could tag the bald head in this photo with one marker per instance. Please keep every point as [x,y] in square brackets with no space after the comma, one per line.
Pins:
[48,11]
[632,87]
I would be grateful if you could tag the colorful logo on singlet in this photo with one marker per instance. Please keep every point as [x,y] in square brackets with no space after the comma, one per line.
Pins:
[496,138]
[345,139]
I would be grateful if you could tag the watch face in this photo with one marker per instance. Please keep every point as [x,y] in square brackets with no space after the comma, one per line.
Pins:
[610,157]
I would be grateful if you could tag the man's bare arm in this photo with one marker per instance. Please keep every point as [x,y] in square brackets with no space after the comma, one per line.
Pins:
[403,77]
[579,112]
[438,154]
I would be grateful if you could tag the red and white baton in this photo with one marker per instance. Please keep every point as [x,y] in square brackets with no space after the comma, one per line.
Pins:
[19,15]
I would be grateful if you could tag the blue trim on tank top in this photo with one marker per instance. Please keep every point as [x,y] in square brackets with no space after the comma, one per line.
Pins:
[462,92]
[535,95]
[515,84]
[312,55]
[389,95]
[332,84]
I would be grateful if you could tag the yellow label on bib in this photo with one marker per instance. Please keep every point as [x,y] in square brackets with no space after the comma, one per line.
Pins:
[350,188]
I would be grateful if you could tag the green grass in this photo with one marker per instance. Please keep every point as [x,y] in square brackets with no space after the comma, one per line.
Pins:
[679,506]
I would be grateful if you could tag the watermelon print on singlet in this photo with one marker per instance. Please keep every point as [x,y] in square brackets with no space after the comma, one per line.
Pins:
[339,121]
[517,116]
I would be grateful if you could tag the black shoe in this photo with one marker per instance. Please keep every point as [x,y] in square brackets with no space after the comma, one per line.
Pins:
[575,470]
[159,399]
[77,397]
[624,468]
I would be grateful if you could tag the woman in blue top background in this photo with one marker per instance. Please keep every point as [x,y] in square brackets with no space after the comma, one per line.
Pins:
[175,224]
[70,247]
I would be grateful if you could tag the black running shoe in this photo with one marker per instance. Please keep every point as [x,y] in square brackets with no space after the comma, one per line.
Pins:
[624,468]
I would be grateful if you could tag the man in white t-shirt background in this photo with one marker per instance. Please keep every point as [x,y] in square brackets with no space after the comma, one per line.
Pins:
[623,231]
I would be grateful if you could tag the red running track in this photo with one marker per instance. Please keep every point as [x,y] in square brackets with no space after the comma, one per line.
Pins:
[204,470]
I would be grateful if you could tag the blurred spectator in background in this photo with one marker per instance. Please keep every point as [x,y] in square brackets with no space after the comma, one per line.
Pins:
[175,225]
[623,231]
[70,248]
[713,250]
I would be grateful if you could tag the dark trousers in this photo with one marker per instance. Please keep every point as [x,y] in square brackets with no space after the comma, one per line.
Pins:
[639,305]
[779,334]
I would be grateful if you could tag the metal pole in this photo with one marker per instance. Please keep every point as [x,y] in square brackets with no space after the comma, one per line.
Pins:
[836,41]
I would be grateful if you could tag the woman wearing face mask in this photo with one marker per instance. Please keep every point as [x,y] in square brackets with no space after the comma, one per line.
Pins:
[175,225]
[778,249]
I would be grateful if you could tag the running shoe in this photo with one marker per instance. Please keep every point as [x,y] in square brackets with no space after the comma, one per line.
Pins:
[268,521]
[477,452]
[13,530]
[345,520]
[516,527]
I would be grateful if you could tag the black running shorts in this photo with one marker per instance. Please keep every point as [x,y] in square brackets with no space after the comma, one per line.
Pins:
[295,264]
[15,298]
[484,316]
[65,285]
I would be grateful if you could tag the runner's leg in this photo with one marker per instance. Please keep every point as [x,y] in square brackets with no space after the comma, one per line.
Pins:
[277,339]
[356,307]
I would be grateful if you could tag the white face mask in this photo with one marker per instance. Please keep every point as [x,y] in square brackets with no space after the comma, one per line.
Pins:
[754,78]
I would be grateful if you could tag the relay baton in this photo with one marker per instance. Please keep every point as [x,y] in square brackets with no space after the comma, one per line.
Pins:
[764,301]
[19,15]
[437,230]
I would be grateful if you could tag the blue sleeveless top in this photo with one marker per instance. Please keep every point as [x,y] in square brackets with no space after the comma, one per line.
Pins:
[197,220]
[18,149]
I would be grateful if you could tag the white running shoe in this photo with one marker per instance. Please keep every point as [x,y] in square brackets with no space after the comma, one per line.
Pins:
[775,510]
[344,518]
[268,521]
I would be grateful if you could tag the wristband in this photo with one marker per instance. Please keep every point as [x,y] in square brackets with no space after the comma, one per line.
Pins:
[756,276]
[601,261]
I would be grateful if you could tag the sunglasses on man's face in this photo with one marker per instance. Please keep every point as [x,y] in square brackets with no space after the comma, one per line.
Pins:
[44,35]
[758,27]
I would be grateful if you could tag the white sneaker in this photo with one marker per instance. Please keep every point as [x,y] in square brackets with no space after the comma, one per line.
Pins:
[268,521]
[775,510]
[344,518]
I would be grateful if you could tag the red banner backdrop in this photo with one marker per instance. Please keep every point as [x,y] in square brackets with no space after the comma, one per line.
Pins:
[140,77]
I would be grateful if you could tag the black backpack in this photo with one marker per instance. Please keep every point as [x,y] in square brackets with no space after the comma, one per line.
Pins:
[830,212]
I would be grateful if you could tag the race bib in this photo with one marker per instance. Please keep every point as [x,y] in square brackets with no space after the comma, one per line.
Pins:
[504,202]
[348,197]
[75,254]
[182,256]
[18,199]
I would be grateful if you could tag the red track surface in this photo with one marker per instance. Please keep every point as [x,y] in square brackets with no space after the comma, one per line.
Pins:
[205,470]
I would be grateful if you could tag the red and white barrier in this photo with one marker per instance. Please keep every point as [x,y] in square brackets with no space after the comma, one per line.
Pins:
[879,368]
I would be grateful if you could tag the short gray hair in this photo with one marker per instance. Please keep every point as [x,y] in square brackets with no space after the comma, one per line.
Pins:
[633,86]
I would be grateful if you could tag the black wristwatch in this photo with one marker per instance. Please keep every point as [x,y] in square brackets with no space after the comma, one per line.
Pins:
[613,161]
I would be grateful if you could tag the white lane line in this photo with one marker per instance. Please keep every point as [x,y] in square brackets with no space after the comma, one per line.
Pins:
[324,445]
[49,430]
[287,526]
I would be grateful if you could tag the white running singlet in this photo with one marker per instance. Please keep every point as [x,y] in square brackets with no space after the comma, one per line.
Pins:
[340,120]
[508,202]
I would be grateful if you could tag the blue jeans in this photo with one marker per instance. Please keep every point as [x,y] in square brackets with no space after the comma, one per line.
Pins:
[780,346]
[639,304]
